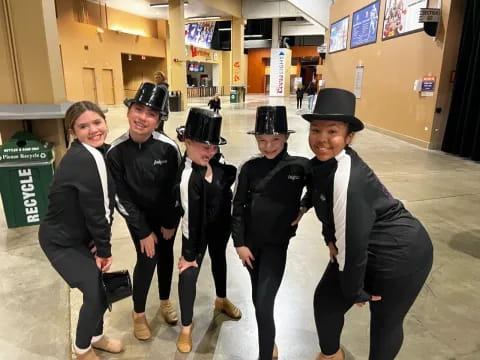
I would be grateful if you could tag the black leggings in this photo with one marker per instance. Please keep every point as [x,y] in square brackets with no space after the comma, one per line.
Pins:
[386,315]
[266,276]
[76,265]
[299,102]
[187,283]
[145,267]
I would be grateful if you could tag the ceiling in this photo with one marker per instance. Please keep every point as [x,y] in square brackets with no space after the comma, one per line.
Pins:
[142,8]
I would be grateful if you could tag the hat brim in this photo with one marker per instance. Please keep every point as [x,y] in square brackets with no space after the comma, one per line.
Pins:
[253,132]
[129,102]
[222,141]
[355,124]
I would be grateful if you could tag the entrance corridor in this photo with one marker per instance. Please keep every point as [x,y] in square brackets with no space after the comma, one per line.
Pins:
[38,311]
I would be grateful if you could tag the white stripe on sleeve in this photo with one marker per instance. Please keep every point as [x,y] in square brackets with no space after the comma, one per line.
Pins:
[340,190]
[186,174]
[102,172]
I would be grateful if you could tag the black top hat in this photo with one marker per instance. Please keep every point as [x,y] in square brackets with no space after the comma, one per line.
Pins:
[271,120]
[203,126]
[335,104]
[151,95]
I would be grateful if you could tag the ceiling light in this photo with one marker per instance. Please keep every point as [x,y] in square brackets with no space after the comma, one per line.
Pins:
[163,5]
[253,36]
[225,29]
[204,18]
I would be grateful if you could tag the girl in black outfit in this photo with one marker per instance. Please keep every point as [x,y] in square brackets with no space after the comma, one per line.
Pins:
[266,210]
[215,103]
[75,234]
[379,252]
[300,91]
[204,198]
[144,164]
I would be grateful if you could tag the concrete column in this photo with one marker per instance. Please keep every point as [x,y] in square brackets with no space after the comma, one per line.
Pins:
[176,48]
[33,67]
[238,62]
[275,33]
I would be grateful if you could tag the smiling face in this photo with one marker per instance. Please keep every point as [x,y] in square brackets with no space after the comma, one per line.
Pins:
[90,128]
[271,145]
[143,121]
[200,153]
[327,138]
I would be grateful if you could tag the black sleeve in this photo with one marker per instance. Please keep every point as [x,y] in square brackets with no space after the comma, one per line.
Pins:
[239,208]
[354,217]
[92,186]
[134,217]
[171,216]
[194,213]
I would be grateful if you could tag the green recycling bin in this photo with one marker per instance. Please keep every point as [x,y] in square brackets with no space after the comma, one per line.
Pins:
[233,96]
[26,171]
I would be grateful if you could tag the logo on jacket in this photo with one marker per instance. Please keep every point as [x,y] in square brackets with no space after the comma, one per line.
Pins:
[322,197]
[159,162]
[294,177]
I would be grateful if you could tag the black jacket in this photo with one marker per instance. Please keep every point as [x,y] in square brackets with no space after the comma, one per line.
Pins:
[80,201]
[196,210]
[145,176]
[376,237]
[214,104]
[263,216]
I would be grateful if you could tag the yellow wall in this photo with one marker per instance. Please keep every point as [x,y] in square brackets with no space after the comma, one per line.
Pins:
[136,71]
[104,50]
[388,101]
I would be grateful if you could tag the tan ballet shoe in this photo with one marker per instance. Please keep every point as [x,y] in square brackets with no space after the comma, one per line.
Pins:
[339,355]
[141,329]
[184,341]
[275,352]
[110,345]
[228,308]
[89,355]
[169,313]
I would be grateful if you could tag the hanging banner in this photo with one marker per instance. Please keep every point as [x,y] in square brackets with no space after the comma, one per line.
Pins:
[402,17]
[280,60]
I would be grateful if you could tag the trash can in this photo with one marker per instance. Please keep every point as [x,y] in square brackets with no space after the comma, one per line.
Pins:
[26,171]
[175,101]
[233,96]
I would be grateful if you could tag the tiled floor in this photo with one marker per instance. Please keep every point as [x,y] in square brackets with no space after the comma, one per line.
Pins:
[36,307]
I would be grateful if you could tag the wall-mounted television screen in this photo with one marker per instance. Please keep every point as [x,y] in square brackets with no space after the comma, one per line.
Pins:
[196,67]
[199,34]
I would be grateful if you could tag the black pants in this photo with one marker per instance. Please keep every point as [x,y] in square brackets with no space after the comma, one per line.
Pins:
[145,267]
[386,315]
[217,237]
[76,265]
[266,276]
[299,102]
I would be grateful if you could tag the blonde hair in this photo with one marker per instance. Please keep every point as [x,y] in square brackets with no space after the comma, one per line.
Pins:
[161,74]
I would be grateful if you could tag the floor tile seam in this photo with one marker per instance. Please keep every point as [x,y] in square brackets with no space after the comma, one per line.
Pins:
[442,197]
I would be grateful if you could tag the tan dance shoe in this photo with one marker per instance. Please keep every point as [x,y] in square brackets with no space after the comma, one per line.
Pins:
[141,329]
[275,352]
[109,345]
[339,355]
[169,313]
[225,306]
[89,355]
[184,341]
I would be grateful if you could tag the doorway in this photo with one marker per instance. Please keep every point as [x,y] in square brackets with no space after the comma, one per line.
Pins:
[89,85]
[108,87]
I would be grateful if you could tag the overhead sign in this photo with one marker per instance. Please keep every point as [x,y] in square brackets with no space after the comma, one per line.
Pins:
[429,15]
